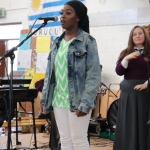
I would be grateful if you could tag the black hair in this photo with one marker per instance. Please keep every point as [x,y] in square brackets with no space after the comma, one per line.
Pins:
[81,11]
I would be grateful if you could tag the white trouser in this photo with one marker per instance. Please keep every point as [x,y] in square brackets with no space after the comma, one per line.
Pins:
[72,129]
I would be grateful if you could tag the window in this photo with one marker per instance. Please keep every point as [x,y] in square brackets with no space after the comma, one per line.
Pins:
[10,31]
[11,34]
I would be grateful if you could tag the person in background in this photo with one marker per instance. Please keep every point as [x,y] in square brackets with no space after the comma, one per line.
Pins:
[39,85]
[72,78]
[131,130]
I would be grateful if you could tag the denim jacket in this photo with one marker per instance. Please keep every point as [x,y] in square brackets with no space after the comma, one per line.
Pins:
[84,73]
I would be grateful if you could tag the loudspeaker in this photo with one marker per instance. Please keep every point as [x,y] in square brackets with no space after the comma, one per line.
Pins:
[94,128]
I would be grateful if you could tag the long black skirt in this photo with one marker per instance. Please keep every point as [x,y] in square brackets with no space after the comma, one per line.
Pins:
[131,129]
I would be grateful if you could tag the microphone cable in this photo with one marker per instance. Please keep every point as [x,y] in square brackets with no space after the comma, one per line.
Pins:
[32,27]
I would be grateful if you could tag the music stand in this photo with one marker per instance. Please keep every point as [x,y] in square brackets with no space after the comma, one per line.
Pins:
[20,94]
[15,82]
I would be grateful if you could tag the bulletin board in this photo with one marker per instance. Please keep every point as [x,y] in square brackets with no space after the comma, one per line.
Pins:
[32,56]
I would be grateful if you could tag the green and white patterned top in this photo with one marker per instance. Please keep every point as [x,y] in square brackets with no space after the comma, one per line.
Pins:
[61,94]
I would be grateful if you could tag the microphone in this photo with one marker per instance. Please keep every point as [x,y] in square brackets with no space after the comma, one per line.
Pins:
[55,18]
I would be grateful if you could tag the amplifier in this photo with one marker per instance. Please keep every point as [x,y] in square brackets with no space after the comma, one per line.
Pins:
[94,128]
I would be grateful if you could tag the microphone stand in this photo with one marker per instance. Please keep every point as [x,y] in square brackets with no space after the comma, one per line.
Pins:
[102,84]
[10,53]
[109,90]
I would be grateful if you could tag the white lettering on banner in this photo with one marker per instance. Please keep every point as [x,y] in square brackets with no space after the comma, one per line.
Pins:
[51,31]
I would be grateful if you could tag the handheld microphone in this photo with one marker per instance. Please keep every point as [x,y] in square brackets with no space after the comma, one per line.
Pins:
[55,18]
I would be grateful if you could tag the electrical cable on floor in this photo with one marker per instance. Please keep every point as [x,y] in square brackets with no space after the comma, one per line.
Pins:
[39,147]
[46,145]
[31,139]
